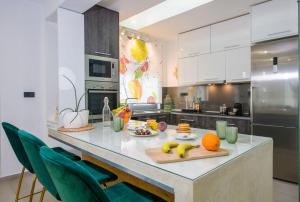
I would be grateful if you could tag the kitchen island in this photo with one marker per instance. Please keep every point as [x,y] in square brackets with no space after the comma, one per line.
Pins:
[244,175]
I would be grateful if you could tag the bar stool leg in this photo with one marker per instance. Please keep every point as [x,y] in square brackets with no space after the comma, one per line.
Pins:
[42,194]
[32,189]
[20,184]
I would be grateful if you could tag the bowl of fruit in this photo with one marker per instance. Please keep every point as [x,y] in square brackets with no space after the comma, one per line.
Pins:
[123,112]
[143,133]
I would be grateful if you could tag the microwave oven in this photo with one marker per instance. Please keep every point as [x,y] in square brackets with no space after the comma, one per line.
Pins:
[102,69]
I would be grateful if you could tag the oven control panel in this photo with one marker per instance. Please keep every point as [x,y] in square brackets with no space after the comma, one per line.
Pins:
[101,85]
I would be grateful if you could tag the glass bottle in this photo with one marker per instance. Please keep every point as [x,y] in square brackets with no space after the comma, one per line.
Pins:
[106,114]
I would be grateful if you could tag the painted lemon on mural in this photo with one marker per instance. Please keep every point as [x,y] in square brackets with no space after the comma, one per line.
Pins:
[135,88]
[139,50]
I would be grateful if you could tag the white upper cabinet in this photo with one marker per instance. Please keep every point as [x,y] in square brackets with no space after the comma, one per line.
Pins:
[274,19]
[211,68]
[194,42]
[238,65]
[231,34]
[187,71]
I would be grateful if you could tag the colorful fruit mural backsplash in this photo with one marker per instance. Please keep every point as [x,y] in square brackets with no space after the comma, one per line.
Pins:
[140,70]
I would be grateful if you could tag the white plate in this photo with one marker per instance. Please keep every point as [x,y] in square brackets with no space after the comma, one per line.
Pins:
[186,136]
[153,133]
[135,127]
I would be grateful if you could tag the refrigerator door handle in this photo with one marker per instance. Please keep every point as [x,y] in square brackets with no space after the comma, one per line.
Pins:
[276,126]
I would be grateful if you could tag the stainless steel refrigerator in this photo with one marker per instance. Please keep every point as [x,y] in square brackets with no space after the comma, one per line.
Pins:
[275,101]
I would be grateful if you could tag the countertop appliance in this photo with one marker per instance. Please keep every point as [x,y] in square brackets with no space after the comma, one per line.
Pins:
[102,69]
[95,94]
[275,101]
[239,109]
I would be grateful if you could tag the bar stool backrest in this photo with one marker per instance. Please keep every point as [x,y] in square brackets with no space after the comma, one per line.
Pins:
[15,142]
[73,183]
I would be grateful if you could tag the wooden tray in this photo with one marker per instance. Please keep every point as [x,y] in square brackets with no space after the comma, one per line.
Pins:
[85,128]
[196,153]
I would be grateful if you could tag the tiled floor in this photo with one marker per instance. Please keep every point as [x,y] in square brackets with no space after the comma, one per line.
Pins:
[283,192]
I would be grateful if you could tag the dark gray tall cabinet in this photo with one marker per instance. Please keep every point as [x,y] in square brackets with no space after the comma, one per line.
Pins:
[101,29]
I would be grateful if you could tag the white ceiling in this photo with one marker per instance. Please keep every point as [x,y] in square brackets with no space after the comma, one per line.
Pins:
[168,29]
[128,8]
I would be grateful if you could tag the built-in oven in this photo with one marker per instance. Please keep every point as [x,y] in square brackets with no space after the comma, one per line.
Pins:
[95,94]
[102,69]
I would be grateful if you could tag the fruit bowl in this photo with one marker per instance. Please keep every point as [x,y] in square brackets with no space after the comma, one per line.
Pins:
[123,112]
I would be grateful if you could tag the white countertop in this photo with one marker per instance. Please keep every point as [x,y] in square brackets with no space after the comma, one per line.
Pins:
[134,147]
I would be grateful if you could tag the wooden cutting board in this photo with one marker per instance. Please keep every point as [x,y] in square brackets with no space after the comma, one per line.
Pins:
[196,153]
[85,128]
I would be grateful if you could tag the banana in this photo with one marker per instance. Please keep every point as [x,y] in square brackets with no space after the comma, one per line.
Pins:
[119,109]
[183,147]
[168,145]
[153,125]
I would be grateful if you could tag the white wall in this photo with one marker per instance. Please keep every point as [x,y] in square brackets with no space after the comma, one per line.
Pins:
[22,69]
[29,62]
[170,64]
[70,56]
[51,63]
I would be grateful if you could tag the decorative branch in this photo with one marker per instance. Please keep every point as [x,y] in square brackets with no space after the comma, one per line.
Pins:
[66,109]
[74,88]
[79,101]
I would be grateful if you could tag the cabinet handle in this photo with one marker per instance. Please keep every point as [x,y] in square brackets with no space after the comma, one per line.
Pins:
[193,54]
[276,33]
[211,79]
[188,120]
[234,46]
[102,53]
[239,79]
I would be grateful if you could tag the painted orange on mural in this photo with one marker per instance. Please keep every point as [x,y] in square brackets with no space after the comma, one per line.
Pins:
[135,88]
[123,68]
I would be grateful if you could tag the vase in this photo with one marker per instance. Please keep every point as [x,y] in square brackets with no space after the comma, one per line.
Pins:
[117,124]
[76,119]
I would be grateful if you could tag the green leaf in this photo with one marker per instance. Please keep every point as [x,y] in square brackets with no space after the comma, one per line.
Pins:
[138,74]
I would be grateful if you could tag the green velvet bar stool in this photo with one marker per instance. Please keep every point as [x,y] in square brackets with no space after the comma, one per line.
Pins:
[11,132]
[75,184]
[32,146]
[12,135]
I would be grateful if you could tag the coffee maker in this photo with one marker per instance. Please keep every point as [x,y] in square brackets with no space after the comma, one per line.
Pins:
[239,109]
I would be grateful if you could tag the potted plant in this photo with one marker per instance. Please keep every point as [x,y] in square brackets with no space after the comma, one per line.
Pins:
[74,117]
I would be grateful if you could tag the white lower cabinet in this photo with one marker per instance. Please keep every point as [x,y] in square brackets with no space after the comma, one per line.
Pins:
[211,68]
[187,71]
[238,65]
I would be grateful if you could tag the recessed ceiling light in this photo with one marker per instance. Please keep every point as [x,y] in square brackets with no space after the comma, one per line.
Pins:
[162,11]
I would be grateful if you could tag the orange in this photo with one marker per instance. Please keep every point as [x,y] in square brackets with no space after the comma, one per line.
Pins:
[127,116]
[211,142]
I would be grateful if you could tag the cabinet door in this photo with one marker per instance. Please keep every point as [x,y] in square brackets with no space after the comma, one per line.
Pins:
[230,34]
[238,64]
[194,42]
[211,67]
[187,71]
[102,32]
[274,19]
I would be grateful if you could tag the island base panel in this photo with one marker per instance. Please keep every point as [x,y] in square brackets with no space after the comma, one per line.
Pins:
[125,177]
[248,178]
